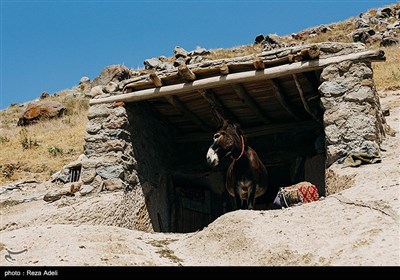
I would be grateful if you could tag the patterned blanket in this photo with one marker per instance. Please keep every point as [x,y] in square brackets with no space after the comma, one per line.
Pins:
[303,192]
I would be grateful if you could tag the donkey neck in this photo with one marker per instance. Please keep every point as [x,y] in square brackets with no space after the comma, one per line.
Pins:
[238,151]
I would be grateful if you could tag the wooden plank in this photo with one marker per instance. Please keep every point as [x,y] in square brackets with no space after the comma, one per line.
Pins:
[249,101]
[303,99]
[177,103]
[277,128]
[280,95]
[186,73]
[210,96]
[248,76]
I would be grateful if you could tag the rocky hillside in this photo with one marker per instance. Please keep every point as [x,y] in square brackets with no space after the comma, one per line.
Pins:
[39,150]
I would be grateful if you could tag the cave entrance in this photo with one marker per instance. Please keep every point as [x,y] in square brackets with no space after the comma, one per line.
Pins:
[171,136]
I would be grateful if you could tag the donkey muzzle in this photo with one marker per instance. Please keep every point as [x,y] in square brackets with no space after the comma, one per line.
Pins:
[212,157]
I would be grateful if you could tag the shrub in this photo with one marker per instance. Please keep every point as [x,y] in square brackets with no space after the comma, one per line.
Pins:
[27,142]
[9,169]
[4,139]
[55,151]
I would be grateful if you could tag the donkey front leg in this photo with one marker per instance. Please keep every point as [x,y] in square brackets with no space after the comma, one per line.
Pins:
[251,197]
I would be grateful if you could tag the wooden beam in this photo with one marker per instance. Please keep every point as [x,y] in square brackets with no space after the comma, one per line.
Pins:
[178,104]
[314,81]
[249,101]
[258,63]
[303,99]
[186,73]
[248,76]
[277,128]
[156,79]
[224,69]
[210,96]
[280,95]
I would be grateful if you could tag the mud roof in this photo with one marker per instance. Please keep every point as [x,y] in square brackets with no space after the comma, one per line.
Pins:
[270,92]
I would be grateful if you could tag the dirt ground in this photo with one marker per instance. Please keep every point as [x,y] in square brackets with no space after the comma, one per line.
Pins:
[358,226]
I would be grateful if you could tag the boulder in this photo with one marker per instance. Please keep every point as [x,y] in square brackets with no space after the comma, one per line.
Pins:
[389,41]
[181,60]
[270,43]
[395,25]
[166,66]
[114,73]
[109,172]
[95,91]
[362,34]
[361,23]
[384,13]
[259,39]
[199,51]
[84,79]
[152,63]
[86,189]
[113,184]
[44,95]
[110,87]
[41,110]
[180,52]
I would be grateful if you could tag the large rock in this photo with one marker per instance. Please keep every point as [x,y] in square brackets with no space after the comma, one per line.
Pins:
[362,34]
[180,52]
[152,63]
[384,13]
[361,23]
[112,73]
[84,79]
[41,110]
[389,41]
[110,172]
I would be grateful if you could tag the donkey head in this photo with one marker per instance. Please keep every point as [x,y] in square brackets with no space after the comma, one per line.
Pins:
[225,141]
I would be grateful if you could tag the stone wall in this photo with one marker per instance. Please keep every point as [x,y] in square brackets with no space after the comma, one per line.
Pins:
[353,119]
[110,162]
[154,151]
[113,163]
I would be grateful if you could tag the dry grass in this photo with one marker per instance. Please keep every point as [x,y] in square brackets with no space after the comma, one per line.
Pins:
[59,141]
[234,52]
[387,74]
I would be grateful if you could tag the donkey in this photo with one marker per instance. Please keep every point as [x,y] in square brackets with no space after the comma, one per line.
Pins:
[246,177]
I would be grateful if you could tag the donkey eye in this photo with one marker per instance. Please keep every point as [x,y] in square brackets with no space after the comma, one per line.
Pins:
[217,135]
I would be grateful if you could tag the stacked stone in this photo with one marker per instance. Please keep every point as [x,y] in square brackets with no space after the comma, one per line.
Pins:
[353,118]
[110,162]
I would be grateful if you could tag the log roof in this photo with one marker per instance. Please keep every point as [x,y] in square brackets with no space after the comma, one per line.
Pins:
[271,92]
